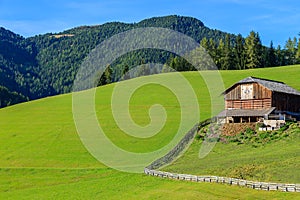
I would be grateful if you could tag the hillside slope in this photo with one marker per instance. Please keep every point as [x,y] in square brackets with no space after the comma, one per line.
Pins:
[41,155]
[17,64]
[276,161]
[273,161]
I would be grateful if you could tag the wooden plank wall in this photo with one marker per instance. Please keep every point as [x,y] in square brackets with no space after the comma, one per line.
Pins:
[234,94]
[249,104]
[286,102]
[262,98]
[259,92]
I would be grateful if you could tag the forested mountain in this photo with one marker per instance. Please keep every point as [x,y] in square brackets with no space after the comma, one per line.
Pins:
[17,66]
[46,65]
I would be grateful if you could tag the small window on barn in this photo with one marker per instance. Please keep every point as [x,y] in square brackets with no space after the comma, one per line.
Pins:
[253,97]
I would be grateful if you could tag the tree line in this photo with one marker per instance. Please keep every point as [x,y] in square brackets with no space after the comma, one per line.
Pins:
[240,53]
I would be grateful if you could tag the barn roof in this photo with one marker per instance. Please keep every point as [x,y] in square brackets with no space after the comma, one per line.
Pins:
[246,112]
[272,85]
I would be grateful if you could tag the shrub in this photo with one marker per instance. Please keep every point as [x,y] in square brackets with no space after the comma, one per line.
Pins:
[252,137]
[264,135]
[285,127]
[198,136]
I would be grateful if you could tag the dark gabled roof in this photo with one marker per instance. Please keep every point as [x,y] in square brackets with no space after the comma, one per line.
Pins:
[246,112]
[272,85]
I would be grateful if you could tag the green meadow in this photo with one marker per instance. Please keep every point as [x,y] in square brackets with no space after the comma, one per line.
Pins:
[42,156]
[275,161]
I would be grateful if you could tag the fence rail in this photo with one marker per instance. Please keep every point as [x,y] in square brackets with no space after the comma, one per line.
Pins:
[180,147]
[225,180]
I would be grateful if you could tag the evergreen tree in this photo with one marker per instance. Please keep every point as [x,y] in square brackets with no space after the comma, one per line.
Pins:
[204,43]
[239,52]
[108,74]
[174,63]
[271,56]
[228,56]
[102,80]
[280,56]
[220,54]
[291,51]
[253,50]
[106,77]
[298,52]
[125,73]
[212,48]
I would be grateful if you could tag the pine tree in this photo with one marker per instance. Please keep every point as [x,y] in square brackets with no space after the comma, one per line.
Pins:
[271,57]
[204,43]
[280,56]
[174,63]
[228,57]
[239,52]
[253,50]
[212,49]
[125,73]
[102,80]
[108,75]
[291,50]
[298,52]
[220,54]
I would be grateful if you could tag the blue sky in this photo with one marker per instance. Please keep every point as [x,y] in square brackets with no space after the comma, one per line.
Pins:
[274,19]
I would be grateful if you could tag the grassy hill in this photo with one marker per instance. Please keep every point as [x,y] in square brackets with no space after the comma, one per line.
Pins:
[275,161]
[41,155]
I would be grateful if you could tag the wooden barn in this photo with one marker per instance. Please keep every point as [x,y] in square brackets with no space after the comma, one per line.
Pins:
[252,99]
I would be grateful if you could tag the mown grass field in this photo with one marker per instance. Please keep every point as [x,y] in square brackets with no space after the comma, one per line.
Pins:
[276,161]
[41,155]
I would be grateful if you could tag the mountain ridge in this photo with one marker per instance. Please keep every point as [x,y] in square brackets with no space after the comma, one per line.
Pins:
[46,64]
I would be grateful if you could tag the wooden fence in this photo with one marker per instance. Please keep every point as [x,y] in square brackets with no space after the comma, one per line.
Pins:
[225,180]
[180,147]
